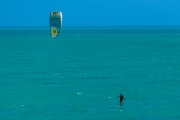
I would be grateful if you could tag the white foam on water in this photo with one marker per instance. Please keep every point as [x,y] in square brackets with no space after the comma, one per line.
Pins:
[22,105]
[56,74]
[79,93]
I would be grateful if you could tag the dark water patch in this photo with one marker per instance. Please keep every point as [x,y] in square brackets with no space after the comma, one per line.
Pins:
[50,83]
[54,83]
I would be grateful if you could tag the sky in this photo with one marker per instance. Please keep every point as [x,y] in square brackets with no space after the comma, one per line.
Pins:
[90,12]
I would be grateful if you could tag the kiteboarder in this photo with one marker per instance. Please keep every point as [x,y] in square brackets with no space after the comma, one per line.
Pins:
[121,99]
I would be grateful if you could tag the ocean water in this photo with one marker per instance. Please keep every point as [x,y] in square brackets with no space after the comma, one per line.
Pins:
[80,74]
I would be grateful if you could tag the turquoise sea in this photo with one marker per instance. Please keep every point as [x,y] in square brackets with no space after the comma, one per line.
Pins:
[80,74]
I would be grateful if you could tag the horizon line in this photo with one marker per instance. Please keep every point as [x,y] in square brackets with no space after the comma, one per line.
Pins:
[97,26]
[119,26]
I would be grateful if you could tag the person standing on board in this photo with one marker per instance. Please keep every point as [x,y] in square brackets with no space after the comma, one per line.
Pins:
[121,99]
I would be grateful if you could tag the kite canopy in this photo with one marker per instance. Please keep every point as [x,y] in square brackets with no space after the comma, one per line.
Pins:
[55,21]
